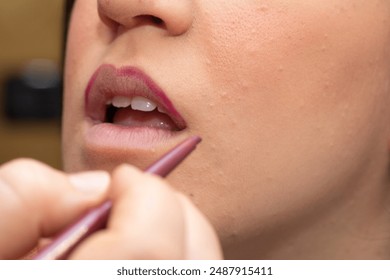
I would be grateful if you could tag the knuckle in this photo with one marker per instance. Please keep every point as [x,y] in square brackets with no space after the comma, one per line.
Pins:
[22,164]
[23,170]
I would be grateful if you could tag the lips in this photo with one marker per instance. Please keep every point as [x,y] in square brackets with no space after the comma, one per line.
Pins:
[129,98]
[127,111]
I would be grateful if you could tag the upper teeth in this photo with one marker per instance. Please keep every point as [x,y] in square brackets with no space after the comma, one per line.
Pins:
[121,101]
[137,103]
[143,104]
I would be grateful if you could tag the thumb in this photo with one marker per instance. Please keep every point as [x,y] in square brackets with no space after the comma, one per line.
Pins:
[38,201]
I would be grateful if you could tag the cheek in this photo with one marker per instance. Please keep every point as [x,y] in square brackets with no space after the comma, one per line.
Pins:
[81,58]
[296,63]
[293,91]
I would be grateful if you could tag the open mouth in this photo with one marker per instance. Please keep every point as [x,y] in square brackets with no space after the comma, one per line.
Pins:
[138,112]
[128,98]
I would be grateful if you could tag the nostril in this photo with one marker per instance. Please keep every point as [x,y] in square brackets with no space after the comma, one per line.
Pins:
[156,20]
[149,19]
[175,16]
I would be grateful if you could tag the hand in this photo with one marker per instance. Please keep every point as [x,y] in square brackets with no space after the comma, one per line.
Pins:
[150,220]
[37,201]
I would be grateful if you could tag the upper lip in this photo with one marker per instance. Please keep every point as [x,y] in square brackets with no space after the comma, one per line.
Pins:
[109,81]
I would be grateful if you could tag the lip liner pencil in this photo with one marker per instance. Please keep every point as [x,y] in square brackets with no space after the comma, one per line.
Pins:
[96,218]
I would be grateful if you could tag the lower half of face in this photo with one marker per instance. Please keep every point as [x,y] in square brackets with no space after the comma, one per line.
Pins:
[290,98]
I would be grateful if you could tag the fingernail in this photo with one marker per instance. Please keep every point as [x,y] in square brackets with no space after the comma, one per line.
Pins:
[91,182]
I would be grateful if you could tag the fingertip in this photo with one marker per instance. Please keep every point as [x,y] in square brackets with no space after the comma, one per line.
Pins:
[123,178]
[126,169]
[91,183]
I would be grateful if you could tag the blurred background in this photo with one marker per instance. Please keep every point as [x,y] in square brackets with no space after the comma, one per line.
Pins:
[31,38]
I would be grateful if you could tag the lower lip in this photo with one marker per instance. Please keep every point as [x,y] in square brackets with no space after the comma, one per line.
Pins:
[105,136]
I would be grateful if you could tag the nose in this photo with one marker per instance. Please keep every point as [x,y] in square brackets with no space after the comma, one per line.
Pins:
[175,16]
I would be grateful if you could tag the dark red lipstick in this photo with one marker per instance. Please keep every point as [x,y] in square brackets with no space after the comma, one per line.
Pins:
[109,82]
[126,110]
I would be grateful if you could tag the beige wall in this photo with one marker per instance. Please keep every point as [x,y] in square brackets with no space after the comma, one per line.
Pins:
[29,29]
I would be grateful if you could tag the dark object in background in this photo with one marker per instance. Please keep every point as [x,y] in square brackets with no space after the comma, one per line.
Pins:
[36,93]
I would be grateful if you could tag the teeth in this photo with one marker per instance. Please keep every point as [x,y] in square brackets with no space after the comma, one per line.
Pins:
[137,103]
[161,110]
[143,104]
[121,101]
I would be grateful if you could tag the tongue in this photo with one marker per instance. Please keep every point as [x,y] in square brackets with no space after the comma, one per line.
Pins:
[133,118]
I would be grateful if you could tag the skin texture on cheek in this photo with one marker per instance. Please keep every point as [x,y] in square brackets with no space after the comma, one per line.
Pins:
[298,89]
[299,63]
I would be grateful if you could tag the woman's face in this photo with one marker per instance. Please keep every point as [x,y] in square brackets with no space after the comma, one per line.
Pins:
[290,98]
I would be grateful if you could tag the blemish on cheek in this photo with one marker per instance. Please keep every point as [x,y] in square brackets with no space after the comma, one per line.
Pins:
[264,8]
[326,86]
[223,94]
[213,147]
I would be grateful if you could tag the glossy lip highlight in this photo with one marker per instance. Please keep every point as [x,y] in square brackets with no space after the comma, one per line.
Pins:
[109,81]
